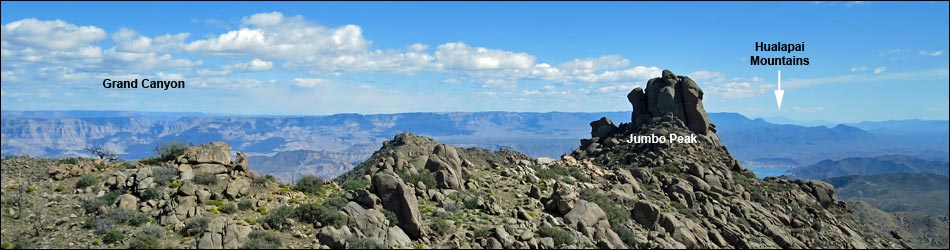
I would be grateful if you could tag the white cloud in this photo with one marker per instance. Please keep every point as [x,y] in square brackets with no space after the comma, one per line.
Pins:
[738,89]
[859,69]
[879,70]
[55,34]
[130,41]
[931,53]
[460,56]
[273,36]
[592,65]
[705,75]
[309,82]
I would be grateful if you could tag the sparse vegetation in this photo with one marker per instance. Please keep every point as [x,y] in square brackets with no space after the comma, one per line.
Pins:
[441,227]
[556,172]
[150,194]
[277,218]
[424,176]
[313,213]
[206,179]
[195,226]
[309,184]
[113,236]
[70,160]
[260,239]
[163,175]
[229,208]
[391,216]
[245,205]
[87,180]
[355,184]
[356,242]
[170,150]
[561,237]
[616,213]
[102,152]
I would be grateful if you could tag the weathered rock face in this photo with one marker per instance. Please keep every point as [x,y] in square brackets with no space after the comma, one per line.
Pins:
[444,162]
[215,152]
[677,95]
[399,198]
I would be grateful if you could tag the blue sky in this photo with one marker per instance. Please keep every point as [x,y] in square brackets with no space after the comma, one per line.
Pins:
[869,61]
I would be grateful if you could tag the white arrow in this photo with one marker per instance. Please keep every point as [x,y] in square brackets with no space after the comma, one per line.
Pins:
[779,92]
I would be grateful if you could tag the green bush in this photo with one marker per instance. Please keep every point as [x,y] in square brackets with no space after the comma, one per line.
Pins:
[170,150]
[313,213]
[356,242]
[261,239]
[277,218]
[150,194]
[145,242]
[60,187]
[129,216]
[391,216]
[87,180]
[626,235]
[164,175]
[73,161]
[561,237]
[113,236]
[195,226]
[92,205]
[335,202]
[229,208]
[309,184]
[615,214]
[355,184]
[206,179]
[441,227]
[424,176]
[99,225]
[260,181]
[154,231]
[557,172]
[245,205]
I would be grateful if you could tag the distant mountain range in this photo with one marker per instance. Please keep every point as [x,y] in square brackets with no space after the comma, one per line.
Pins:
[349,138]
[864,166]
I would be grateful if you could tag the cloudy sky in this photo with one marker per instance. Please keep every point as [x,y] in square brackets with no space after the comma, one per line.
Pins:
[869,61]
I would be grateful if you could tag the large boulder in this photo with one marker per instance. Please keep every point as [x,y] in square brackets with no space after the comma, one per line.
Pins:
[370,222]
[562,199]
[585,212]
[223,233]
[601,128]
[215,152]
[128,201]
[237,188]
[334,238]
[445,163]
[399,198]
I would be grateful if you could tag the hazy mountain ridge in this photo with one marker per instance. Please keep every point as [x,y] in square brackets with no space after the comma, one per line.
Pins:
[864,166]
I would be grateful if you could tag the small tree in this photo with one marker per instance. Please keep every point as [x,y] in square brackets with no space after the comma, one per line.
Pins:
[102,152]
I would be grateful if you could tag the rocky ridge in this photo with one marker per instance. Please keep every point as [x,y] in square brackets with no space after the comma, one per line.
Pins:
[415,192]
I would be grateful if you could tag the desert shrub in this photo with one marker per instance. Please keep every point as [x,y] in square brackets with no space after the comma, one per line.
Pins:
[174,184]
[313,213]
[153,230]
[355,184]
[87,180]
[561,237]
[229,208]
[356,242]
[482,233]
[128,216]
[555,171]
[150,193]
[102,152]
[170,150]
[216,203]
[260,239]
[92,205]
[99,224]
[206,179]
[245,205]
[73,161]
[145,242]
[426,177]
[441,227]
[195,226]
[626,235]
[60,187]
[335,202]
[471,203]
[164,175]
[113,236]
[277,218]
[260,181]
[391,216]
[615,214]
[309,184]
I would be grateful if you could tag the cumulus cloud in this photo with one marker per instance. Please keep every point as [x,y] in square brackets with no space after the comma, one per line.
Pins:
[458,55]
[56,34]
[309,82]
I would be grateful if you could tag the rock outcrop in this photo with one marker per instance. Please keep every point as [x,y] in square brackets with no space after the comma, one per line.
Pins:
[672,94]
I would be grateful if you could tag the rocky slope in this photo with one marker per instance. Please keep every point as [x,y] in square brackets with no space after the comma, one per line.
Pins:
[415,192]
